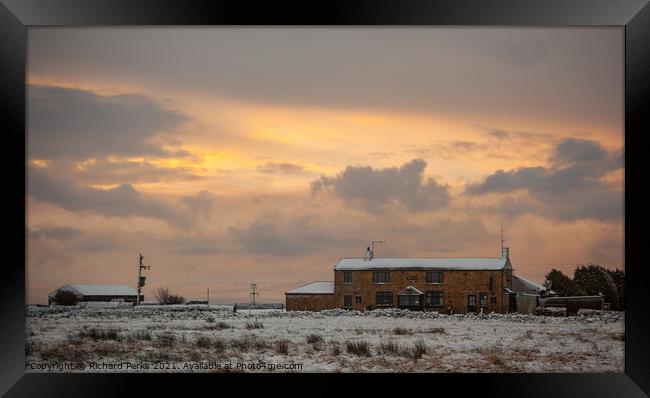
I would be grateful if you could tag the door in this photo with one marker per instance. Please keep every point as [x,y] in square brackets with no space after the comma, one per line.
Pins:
[358,303]
[512,303]
[471,303]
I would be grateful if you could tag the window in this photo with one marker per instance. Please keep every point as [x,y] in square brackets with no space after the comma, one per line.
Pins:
[434,277]
[347,301]
[471,300]
[384,298]
[358,300]
[435,299]
[381,277]
[482,299]
[493,300]
[347,277]
[408,300]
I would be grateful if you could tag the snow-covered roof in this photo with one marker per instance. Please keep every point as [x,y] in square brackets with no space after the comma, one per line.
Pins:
[314,288]
[464,263]
[520,284]
[99,290]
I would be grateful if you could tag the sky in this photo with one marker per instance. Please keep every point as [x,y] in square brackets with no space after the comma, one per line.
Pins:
[229,156]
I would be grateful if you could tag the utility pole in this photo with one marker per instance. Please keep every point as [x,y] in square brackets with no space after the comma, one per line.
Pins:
[137,300]
[141,278]
[208,301]
[253,294]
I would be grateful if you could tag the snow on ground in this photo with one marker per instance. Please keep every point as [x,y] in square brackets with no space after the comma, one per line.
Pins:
[199,338]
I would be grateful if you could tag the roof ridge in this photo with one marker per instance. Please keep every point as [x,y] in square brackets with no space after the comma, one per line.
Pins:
[416,258]
[306,284]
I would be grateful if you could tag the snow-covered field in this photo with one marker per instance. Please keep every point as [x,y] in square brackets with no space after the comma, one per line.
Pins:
[214,339]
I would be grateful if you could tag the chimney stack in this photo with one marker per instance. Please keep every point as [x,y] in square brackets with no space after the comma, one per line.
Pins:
[505,252]
[369,253]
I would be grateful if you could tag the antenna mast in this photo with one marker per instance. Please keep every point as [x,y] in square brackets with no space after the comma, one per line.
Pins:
[372,244]
[501,235]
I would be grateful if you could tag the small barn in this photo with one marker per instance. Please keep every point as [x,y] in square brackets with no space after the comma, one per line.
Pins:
[106,293]
[315,296]
[525,295]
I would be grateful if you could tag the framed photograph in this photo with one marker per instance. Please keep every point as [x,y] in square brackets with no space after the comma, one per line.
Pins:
[448,191]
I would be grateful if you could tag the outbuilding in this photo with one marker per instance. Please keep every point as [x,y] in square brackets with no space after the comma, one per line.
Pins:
[89,293]
[315,296]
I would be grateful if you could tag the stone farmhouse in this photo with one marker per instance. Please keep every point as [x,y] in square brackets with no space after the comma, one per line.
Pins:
[449,285]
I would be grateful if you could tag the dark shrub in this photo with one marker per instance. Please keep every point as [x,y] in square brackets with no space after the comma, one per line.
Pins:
[203,342]
[314,338]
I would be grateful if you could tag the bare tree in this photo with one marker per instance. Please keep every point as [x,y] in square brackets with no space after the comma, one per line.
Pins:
[162,295]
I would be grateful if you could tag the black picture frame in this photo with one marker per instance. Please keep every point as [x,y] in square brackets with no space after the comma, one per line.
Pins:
[18,15]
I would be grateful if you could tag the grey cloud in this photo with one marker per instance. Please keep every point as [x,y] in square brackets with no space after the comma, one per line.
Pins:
[121,201]
[201,203]
[281,168]
[507,181]
[292,238]
[58,233]
[571,188]
[186,244]
[503,134]
[495,143]
[572,151]
[500,134]
[78,124]
[444,235]
[488,72]
[265,238]
[444,149]
[403,185]
[103,171]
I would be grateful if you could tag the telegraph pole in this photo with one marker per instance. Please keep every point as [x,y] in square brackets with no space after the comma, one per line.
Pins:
[253,294]
[141,278]
[208,302]
[137,300]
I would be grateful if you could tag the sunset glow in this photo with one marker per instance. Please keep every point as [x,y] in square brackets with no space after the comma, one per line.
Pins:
[231,156]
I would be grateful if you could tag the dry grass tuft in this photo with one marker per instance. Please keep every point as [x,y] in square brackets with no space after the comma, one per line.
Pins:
[360,348]
[203,342]
[99,334]
[254,325]
[282,346]
[415,352]
[389,347]
[402,331]
[166,339]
